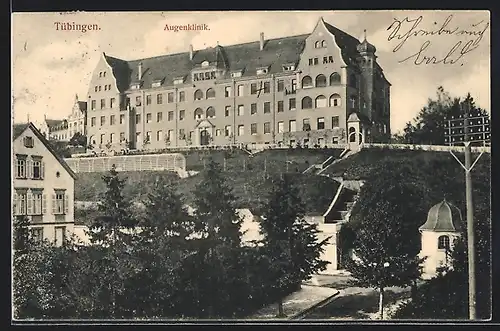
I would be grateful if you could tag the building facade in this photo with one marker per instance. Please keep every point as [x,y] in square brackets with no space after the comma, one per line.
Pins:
[298,89]
[78,118]
[43,186]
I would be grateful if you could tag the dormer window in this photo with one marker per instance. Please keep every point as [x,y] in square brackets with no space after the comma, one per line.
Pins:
[136,86]
[236,74]
[289,67]
[205,64]
[157,83]
[178,80]
[204,75]
[262,71]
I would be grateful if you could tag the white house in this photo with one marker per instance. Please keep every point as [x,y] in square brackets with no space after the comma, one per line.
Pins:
[43,185]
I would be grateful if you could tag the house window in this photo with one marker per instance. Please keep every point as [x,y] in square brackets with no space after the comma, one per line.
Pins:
[292,105]
[38,169]
[99,88]
[320,101]
[253,109]
[138,101]
[217,132]
[148,136]
[253,88]
[267,107]
[112,120]
[444,242]
[21,167]
[240,90]
[310,62]
[267,127]
[227,130]
[103,103]
[170,97]
[306,125]
[316,61]
[198,95]
[307,82]
[267,87]
[28,142]
[253,128]
[210,93]
[159,116]
[306,103]
[335,140]
[37,234]
[241,110]
[211,112]
[122,136]
[122,119]
[227,91]
[182,96]
[198,114]
[148,99]
[111,137]
[103,120]
[170,116]
[137,118]
[321,123]
[93,104]
[320,81]
[138,137]
[335,122]
[102,139]
[227,111]
[280,106]
[241,130]
[60,235]
[170,135]
[159,99]
[182,114]
[292,126]
[281,85]
[92,121]
[112,103]
[281,127]
[182,134]
[58,207]
[149,118]
[335,100]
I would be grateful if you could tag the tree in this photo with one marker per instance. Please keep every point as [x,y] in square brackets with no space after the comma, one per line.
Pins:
[385,224]
[290,243]
[78,139]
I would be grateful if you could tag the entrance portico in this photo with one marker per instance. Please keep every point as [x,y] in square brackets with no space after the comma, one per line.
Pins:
[204,131]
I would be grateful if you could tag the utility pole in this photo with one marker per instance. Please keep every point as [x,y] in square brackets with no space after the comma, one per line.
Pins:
[462,130]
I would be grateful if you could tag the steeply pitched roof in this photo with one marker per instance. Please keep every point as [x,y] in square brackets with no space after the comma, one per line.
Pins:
[82,105]
[347,43]
[46,143]
[17,129]
[51,123]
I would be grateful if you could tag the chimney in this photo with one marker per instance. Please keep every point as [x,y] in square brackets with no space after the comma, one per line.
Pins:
[191,52]
[261,40]
[139,73]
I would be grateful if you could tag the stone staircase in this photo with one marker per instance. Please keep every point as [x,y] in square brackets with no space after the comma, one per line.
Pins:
[342,207]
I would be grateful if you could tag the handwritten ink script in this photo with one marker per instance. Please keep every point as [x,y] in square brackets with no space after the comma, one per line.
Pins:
[407,29]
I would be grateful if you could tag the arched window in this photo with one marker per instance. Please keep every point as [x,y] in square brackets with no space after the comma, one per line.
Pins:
[334,78]
[198,95]
[307,82]
[316,44]
[323,43]
[353,81]
[352,134]
[335,100]
[307,103]
[320,81]
[210,112]
[198,114]
[443,242]
[210,93]
[320,101]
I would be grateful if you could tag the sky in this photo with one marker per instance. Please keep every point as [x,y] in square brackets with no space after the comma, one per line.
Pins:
[50,66]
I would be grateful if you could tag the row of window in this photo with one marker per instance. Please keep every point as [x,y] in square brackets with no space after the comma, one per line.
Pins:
[102,74]
[34,202]
[29,167]
[315,61]
[107,87]
[36,234]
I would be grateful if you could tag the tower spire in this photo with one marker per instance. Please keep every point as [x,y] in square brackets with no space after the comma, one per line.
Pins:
[364,34]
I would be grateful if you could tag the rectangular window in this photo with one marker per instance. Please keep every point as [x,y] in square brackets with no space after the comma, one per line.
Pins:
[92,121]
[159,99]
[227,91]
[21,168]
[267,87]
[335,122]
[38,169]
[306,125]
[227,111]
[37,234]
[281,85]
[122,119]
[217,132]
[253,88]
[325,60]
[170,116]
[138,137]
[170,135]
[93,104]
[253,128]
[148,99]
[102,138]
[148,136]
[60,236]
[58,204]
[182,96]
[112,120]
[159,135]
[281,127]
[182,134]
[267,107]
[316,61]
[321,123]
[111,137]
[310,62]
[28,142]
[103,103]
[182,114]
[227,130]
[170,97]
[149,118]
[330,59]
[267,127]
[280,106]
[20,203]
[112,103]
[291,104]
[292,126]
[240,90]
[241,130]
[122,136]
[103,120]
[137,118]
[37,203]
[253,109]
[241,110]
[138,101]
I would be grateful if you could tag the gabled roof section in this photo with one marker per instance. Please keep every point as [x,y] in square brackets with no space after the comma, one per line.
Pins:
[82,105]
[17,129]
[45,142]
[347,43]
[52,123]
[121,71]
